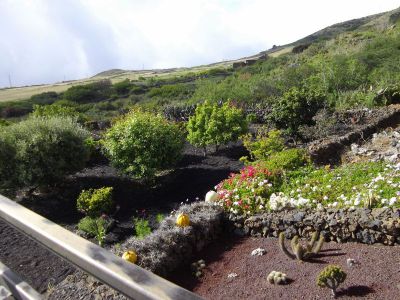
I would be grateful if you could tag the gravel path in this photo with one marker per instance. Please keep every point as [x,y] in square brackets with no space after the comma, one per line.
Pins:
[375,276]
[35,264]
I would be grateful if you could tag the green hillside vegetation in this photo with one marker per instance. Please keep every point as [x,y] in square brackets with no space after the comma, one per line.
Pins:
[351,64]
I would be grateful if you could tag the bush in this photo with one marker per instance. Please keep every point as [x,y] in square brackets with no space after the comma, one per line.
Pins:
[4,123]
[122,87]
[246,193]
[55,110]
[92,92]
[265,144]
[140,144]
[94,227]
[214,125]
[41,151]
[287,160]
[171,91]
[142,227]
[296,107]
[94,202]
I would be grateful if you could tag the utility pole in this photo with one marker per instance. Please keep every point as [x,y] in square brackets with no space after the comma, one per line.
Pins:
[9,79]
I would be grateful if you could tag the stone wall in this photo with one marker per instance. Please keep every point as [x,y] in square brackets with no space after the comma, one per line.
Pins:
[341,225]
[170,246]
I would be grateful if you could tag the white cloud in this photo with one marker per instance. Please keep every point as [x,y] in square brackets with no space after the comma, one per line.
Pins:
[49,40]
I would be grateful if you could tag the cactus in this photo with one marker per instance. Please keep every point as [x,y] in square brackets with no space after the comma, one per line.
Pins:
[332,276]
[277,278]
[299,252]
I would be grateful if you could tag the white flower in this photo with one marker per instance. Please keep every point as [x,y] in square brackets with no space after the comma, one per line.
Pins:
[314,188]
[237,197]
[334,204]
[261,207]
[261,183]
[325,198]
[392,201]
[328,186]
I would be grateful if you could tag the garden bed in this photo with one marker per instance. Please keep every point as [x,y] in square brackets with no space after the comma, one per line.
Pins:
[369,278]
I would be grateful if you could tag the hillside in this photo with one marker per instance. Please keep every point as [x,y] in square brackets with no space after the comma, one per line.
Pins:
[375,21]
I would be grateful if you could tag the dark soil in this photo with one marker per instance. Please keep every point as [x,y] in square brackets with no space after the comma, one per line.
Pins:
[375,276]
[194,176]
[35,264]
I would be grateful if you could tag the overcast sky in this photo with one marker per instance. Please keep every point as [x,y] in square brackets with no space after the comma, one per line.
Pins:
[45,41]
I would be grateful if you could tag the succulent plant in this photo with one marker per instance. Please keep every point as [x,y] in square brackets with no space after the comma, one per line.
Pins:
[299,251]
[277,278]
[331,277]
[197,267]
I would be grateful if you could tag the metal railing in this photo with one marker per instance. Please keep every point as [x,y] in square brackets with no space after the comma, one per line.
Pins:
[129,279]
[11,285]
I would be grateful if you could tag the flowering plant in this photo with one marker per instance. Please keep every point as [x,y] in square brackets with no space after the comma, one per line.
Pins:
[246,192]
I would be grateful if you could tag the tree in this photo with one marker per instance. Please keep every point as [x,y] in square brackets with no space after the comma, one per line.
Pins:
[216,125]
[141,143]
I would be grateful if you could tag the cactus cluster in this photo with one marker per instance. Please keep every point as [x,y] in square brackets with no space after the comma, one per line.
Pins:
[332,276]
[277,278]
[197,268]
[299,251]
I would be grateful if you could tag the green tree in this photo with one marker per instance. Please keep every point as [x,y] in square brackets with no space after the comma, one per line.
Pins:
[214,125]
[141,143]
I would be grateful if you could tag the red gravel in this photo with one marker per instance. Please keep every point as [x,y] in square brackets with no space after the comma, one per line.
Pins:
[377,276]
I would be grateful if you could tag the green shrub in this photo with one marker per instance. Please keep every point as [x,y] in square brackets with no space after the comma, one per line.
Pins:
[142,228]
[55,110]
[287,160]
[265,143]
[94,227]
[296,107]
[41,151]
[214,125]
[92,92]
[140,144]
[93,202]
[122,87]
[171,91]
[159,218]
[4,123]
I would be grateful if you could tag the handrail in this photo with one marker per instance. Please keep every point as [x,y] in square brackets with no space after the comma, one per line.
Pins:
[15,286]
[129,279]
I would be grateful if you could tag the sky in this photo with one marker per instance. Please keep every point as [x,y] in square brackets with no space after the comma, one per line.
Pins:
[47,41]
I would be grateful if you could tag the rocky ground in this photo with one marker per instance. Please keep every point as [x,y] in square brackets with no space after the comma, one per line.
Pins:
[231,271]
[382,146]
